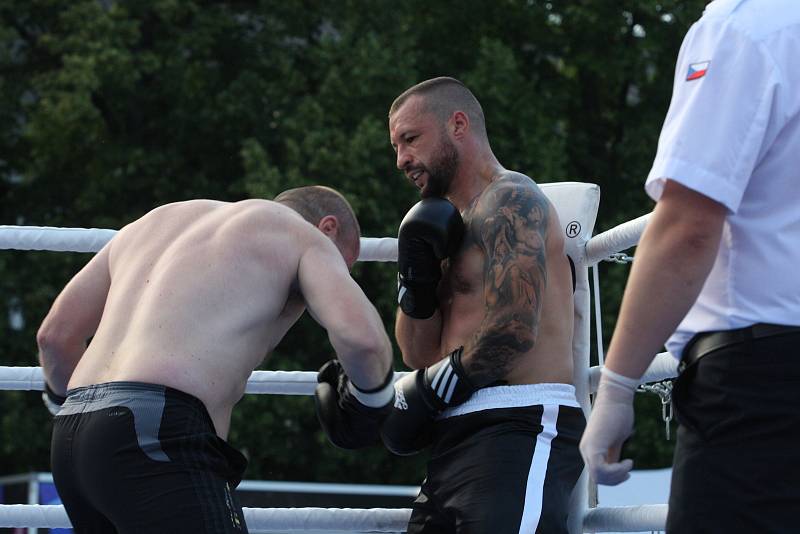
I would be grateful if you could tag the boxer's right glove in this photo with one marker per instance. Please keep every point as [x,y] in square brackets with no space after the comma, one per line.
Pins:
[430,232]
[52,400]
[421,396]
[350,416]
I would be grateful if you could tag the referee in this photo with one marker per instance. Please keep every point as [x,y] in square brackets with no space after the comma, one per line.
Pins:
[716,278]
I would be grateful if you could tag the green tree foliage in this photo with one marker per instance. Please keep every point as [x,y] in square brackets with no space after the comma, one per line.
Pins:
[110,108]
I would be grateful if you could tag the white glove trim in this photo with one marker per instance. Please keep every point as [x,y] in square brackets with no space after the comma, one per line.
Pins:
[377,399]
[620,381]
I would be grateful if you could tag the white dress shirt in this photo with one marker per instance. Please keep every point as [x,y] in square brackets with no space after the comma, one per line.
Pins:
[732,133]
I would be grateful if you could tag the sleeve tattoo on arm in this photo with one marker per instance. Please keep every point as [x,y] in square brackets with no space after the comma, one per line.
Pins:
[510,226]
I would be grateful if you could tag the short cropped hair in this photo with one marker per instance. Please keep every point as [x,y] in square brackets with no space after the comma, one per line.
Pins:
[443,96]
[313,202]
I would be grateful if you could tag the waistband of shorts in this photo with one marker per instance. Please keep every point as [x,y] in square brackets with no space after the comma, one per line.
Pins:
[98,392]
[516,396]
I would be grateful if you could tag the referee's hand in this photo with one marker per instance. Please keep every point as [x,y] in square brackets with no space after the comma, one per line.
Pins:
[610,424]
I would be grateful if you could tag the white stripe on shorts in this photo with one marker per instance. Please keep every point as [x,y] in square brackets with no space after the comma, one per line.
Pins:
[534,492]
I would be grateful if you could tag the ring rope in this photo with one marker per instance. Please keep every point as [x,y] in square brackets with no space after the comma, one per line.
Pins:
[646,517]
[606,519]
[260,382]
[282,519]
[53,238]
[617,239]
[56,239]
[33,515]
[664,367]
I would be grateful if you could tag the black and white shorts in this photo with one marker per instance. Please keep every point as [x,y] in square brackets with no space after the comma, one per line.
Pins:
[130,457]
[505,461]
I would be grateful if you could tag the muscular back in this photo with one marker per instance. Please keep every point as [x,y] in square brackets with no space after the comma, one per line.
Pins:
[507,294]
[200,292]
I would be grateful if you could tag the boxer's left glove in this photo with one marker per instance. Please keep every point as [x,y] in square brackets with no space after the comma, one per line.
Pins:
[421,396]
[351,417]
[52,400]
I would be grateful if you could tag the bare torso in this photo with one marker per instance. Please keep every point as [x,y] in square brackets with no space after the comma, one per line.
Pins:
[463,298]
[201,291]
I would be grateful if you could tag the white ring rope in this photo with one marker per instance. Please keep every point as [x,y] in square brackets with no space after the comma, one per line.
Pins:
[378,249]
[33,515]
[257,519]
[647,517]
[260,382]
[93,239]
[55,239]
[606,519]
[617,239]
[664,366]
[322,519]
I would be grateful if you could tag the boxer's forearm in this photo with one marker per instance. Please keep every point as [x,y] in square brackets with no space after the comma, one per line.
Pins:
[419,339]
[58,363]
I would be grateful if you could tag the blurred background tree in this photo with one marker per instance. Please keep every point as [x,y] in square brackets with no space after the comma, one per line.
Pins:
[110,108]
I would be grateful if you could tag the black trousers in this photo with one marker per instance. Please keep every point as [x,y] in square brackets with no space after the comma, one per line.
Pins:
[737,458]
[129,457]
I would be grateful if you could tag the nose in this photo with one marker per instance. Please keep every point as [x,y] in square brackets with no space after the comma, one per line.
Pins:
[403,158]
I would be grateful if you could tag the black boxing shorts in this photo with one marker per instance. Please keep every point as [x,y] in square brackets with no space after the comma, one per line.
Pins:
[505,461]
[130,457]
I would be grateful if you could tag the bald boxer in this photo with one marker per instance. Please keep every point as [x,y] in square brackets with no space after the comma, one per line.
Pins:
[181,306]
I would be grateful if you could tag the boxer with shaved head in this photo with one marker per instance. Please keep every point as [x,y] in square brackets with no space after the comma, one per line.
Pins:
[181,306]
[485,318]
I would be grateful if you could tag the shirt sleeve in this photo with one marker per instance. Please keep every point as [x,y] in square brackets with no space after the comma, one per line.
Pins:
[722,96]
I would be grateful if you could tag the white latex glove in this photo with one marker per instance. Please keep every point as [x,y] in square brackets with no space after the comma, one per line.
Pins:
[610,424]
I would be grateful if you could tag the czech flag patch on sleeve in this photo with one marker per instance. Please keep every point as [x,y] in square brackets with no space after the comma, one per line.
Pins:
[697,70]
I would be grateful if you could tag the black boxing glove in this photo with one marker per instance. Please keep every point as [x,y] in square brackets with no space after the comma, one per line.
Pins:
[350,416]
[419,397]
[430,232]
[52,400]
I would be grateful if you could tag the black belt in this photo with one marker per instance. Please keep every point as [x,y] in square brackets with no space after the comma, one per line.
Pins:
[707,342]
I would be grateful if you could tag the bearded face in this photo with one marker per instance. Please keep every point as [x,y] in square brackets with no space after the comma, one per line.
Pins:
[441,170]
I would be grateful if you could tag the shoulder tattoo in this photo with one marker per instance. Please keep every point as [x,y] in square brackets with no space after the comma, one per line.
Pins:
[510,225]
